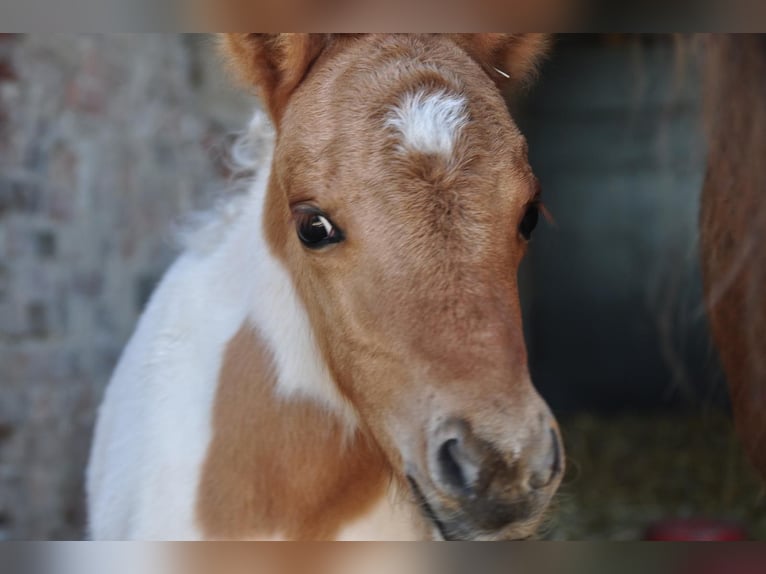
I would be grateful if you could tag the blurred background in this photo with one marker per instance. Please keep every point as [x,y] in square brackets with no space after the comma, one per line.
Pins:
[107,142]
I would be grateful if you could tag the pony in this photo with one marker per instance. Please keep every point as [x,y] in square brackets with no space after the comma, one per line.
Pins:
[345,357]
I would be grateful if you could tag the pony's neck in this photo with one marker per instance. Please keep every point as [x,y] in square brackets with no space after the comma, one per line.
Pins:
[279,467]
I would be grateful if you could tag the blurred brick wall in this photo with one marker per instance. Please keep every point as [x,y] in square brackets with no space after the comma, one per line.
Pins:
[104,141]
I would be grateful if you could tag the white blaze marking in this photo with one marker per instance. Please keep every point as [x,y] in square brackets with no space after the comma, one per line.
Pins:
[429,122]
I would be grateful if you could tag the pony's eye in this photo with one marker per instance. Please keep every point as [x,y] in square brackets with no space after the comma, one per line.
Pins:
[529,221]
[315,229]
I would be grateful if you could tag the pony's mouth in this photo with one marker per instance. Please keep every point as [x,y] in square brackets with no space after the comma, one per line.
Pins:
[459,526]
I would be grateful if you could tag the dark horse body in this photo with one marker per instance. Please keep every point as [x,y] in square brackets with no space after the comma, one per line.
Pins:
[733,227]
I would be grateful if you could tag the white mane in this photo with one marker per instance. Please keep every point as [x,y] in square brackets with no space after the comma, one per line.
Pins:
[202,231]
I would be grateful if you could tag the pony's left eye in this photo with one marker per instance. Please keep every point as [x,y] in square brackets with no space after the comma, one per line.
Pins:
[529,221]
[314,228]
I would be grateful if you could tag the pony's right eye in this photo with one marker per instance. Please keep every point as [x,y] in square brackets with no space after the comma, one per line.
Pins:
[314,228]
[529,221]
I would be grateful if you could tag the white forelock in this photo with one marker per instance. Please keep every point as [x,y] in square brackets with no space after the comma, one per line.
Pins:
[429,122]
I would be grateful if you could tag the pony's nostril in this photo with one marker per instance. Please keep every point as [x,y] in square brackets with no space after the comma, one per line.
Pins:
[450,469]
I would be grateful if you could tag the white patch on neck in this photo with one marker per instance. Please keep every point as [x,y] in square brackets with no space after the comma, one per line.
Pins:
[429,122]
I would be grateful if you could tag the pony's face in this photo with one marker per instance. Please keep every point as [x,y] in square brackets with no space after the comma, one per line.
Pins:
[401,203]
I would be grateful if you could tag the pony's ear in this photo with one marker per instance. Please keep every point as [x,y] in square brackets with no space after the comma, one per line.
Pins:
[274,63]
[507,58]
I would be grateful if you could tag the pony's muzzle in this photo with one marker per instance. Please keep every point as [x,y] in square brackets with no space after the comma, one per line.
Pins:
[467,465]
[480,488]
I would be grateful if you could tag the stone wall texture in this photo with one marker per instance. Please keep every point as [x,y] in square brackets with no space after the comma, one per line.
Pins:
[104,141]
